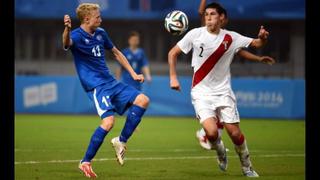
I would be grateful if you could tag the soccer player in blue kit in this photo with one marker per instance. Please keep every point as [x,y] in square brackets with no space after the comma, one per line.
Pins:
[137,59]
[87,44]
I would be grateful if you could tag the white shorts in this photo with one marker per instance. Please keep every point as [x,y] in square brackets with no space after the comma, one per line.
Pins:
[223,107]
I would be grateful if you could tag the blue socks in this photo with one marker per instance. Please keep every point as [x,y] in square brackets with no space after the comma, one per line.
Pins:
[95,143]
[133,119]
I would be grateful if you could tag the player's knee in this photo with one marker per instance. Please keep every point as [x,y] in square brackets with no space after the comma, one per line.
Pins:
[212,135]
[142,100]
[145,100]
[107,123]
[235,135]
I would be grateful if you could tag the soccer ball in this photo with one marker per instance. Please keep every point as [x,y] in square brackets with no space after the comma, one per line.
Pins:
[176,22]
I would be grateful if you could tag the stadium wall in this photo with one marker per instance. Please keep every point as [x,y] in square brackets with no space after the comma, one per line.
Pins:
[256,98]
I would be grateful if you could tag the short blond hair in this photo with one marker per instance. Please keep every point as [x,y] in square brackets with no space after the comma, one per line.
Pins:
[84,9]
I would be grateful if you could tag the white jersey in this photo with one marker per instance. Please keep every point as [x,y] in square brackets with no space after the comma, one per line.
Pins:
[211,59]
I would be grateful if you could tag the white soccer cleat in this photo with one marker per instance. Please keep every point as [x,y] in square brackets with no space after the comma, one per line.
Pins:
[249,172]
[120,149]
[203,141]
[86,168]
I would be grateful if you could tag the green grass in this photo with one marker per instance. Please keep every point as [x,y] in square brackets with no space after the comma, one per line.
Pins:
[163,148]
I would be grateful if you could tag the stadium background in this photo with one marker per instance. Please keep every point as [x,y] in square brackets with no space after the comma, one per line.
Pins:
[38,53]
[46,80]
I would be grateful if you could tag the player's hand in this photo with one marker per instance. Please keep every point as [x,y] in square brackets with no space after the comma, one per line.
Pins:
[267,60]
[67,21]
[175,85]
[149,79]
[263,33]
[138,77]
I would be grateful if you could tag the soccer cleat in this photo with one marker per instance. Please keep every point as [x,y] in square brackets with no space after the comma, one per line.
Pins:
[249,172]
[86,168]
[203,140]
[120,149]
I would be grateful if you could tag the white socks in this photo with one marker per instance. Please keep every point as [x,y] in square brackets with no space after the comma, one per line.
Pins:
[243,153]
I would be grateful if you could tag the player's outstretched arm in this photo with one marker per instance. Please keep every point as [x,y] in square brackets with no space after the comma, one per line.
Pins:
[66,40]
[147,73]
[201,8]
[262,38]
[252,57]
[124,62]
[172,60]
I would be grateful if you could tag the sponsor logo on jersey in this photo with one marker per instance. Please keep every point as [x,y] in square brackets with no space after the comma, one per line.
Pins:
[86,41]
[99,37]
[225,43]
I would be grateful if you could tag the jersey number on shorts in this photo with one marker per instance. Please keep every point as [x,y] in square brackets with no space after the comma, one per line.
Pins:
[106,101]
[96,51]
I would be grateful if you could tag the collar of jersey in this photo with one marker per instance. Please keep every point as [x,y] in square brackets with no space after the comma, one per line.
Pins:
[87,34]
[135,52]
[213,35]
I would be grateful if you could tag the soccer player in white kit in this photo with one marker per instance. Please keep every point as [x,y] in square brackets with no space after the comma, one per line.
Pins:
[201,134]
[211,93]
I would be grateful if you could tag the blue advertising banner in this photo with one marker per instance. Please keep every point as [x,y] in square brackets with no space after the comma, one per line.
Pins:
[256,98]
[155,9]
[277,98]
[50,94]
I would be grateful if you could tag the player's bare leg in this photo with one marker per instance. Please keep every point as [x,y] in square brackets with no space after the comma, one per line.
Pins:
[133,119]
[212,134]
[241,148]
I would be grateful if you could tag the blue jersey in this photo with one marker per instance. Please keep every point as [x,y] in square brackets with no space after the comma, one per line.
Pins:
[137,60]
[88,52]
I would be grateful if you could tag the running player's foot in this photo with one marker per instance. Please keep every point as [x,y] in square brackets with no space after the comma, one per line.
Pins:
[222,158]
[203,140]
[86,168]
[249,172]
[246,164]
[120,149]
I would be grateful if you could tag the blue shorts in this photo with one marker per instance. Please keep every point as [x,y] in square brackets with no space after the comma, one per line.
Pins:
[115,99]
[134,84]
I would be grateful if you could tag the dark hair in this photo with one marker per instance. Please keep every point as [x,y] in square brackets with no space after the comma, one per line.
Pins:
[133,33]
[224,11]
[218,7]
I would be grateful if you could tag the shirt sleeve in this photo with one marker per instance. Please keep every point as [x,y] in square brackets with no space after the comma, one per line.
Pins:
[107,41]
[185,44]
[241,41]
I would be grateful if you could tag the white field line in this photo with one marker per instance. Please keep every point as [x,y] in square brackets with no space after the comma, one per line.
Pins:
[158,158]
[150,150]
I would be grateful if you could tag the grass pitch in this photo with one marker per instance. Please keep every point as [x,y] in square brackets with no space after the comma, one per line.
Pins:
[50,147]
